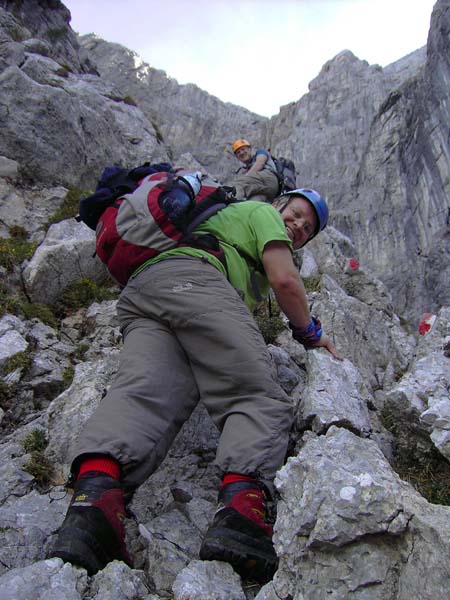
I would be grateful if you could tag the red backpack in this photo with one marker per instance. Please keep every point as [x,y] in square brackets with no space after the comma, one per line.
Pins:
[134,228]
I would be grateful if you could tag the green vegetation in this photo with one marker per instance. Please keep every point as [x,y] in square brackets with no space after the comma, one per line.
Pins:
[21,360]
[15,249]
[269,321]
[426,470]
[389,419]
[38,465]
[69,207]
[129,100]
[19,305]
[56,33]
[17,33]
[35,441]
[430,478]
[78,295]
[63,72]
[68,377]
[81,294]
[31,310]
[312,284]
[159,135]
[56,84]
[126,99]
[6,392]
[80,351]
[18,233]
[408,326]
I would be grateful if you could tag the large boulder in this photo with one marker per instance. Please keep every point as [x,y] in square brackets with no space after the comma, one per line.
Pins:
[65,256]
[347,526]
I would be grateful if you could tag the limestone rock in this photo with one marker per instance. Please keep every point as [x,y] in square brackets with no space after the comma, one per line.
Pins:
[14,480]
[28,208]
[64,257]
[12,343]
[68,413]
[28,523]
[202,580]
[51,360]
[50,578]
[347,523]
[44,25]
[83,123]
[120,582]
[421,399]
[335,394]
[172,542]
[100,329]
[81,129]
[357,308]
[8,168]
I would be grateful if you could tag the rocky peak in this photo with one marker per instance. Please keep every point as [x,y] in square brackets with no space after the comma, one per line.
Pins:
[343,71]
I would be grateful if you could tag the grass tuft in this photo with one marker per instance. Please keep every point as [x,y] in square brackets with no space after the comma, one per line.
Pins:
[81,294]
[69,207]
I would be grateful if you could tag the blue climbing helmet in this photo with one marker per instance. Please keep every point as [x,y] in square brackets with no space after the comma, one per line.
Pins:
[317,202]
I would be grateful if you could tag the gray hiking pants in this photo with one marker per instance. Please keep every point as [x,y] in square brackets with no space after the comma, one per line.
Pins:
[262,186]
[189,336]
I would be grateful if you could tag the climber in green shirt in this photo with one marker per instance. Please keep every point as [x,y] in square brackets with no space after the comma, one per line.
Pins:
[189,335]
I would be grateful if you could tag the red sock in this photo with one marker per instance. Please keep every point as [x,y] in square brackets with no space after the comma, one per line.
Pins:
[233,477]
[101,463]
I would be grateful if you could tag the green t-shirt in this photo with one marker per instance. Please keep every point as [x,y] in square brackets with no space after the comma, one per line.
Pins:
[247,226]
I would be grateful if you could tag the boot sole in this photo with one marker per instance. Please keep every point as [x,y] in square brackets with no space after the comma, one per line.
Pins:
[238,549]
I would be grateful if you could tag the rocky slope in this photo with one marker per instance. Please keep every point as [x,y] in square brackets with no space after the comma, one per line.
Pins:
[349,524]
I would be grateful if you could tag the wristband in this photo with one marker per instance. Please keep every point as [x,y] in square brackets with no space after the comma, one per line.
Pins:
[309,335]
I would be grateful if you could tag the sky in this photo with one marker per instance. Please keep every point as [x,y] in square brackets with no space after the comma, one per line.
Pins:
[259,54]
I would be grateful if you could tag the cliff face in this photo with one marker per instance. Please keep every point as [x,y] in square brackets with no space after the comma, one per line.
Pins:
[375,141]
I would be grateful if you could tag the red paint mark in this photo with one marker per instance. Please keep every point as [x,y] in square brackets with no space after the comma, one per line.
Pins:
[426,323]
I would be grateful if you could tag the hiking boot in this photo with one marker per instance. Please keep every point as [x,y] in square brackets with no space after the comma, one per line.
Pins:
[93,534]
[240,533]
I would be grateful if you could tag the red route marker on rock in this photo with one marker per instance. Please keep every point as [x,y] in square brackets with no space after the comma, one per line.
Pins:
[426,323]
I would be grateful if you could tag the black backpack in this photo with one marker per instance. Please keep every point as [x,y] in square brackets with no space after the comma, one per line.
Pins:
[114,182]
[286,174]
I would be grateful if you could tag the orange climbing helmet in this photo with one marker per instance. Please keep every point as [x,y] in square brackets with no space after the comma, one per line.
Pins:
[240,144]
